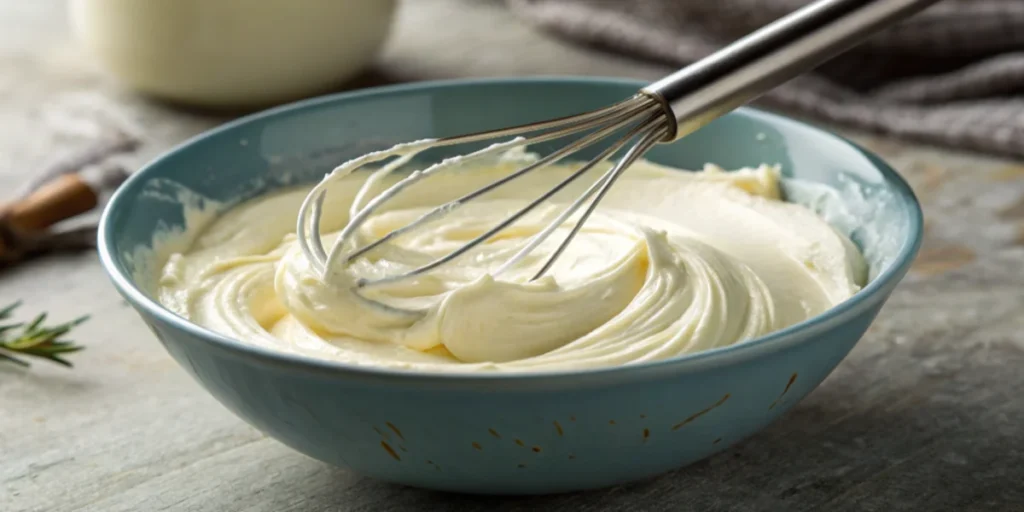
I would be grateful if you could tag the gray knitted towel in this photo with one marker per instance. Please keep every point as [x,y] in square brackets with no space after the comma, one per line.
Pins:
[953,75]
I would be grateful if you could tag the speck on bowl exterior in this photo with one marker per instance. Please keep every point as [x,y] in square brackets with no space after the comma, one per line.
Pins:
[494,433]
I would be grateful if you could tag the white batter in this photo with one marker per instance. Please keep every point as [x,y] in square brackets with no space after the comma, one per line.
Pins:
[672,263]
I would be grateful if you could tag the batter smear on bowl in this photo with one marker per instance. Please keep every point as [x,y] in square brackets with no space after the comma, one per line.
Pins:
[671,263]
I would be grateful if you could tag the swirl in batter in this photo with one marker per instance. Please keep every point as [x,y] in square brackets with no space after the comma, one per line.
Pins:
[671,263]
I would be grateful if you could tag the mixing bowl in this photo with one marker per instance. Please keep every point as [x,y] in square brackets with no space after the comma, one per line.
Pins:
[505,433]
[232,53]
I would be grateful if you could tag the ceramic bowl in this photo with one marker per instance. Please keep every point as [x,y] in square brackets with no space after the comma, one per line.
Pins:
[508,433]
[232,54]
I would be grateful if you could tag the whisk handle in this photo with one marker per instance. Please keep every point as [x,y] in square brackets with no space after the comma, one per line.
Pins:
[775,53]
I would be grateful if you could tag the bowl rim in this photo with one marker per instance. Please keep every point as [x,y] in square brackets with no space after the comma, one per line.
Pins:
[873,292]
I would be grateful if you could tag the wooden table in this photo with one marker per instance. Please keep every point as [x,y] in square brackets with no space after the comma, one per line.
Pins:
[925,414]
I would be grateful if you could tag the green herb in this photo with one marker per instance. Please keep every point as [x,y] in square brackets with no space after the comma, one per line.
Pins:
[35,339]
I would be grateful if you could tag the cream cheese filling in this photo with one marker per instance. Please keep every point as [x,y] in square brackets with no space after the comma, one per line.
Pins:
[671,263]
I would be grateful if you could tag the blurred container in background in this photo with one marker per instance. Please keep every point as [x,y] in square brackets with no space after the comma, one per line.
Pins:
[232,53]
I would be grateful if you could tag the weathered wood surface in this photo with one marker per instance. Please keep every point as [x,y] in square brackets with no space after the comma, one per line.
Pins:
[925,414]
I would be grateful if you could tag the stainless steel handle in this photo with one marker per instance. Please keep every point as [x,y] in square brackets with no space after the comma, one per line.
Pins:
[779,51]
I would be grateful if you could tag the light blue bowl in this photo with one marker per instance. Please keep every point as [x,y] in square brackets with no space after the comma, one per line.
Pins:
[521,434]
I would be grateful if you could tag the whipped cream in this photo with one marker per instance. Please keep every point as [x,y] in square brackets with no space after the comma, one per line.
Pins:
[671,263]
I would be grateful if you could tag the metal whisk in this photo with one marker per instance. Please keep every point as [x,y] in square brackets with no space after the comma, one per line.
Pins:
[664,111]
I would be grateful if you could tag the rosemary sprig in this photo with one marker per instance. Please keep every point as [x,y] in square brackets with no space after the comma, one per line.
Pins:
[35,339]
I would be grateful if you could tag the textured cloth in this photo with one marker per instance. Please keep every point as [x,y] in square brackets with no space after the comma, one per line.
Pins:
[952,75]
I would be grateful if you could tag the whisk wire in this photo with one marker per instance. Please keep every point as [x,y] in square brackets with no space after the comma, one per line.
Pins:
[316,211]
[564,123]
[645,128]
[307,227]
[450,206]
[371,207]
[605,121]
[640,115]
[645,143]
[617,113]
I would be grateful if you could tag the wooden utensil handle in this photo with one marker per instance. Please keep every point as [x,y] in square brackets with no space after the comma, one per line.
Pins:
[60,199]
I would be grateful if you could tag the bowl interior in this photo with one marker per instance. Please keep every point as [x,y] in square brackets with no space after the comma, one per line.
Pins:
[854,190]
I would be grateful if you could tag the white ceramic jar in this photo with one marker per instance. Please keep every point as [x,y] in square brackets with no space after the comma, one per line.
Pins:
[233,53]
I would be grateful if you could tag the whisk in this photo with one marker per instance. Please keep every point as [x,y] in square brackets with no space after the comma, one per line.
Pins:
[664,111]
